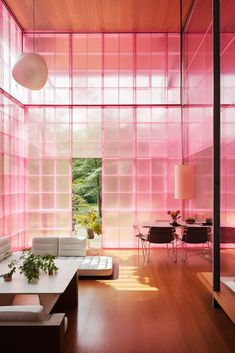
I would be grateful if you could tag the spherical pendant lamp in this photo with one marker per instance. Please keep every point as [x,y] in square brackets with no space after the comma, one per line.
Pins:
[31,71]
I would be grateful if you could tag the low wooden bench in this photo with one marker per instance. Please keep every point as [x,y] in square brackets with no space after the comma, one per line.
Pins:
[22,331]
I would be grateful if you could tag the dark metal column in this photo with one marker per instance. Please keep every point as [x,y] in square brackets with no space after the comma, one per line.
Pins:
[216,142]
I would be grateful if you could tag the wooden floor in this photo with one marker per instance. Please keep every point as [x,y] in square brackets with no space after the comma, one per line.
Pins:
[161,307]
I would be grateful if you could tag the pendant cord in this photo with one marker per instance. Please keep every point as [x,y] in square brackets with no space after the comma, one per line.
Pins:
[181,84]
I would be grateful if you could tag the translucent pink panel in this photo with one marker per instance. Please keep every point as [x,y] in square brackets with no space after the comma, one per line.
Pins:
[10,50]
[49,199]
[143,183]
[197,114]
[227,115]
[13,171]
[54,48]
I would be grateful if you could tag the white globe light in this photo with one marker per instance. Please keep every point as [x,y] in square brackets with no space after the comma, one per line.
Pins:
[31,71]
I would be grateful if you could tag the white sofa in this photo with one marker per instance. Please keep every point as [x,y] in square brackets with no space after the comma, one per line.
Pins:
[64,248]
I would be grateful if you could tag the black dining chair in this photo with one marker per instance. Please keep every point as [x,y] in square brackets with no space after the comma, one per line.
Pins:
[162,235]
[196,235]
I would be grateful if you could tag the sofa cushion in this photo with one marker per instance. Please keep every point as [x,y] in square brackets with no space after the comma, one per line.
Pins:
[5,248]
[45,245]
[21,313]
[72,246]
[95,266]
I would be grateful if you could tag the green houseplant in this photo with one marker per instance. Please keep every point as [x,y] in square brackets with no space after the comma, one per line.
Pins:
[189,220]
[48,264]
[91,222]
[8,275]
[31,266]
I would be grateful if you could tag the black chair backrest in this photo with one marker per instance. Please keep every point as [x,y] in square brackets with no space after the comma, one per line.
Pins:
[196,235]
[161,235]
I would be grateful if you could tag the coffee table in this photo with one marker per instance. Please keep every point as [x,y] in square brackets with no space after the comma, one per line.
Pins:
[60,289]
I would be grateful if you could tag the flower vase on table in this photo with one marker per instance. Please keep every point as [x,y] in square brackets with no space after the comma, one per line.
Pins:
[175,216]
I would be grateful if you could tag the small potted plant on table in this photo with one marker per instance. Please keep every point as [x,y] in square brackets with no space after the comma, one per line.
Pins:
[189,220]
[48,264]
[8,275]
[175,216]
[31,266]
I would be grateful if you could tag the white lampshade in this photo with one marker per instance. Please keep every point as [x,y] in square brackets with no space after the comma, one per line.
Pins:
[31,71]
[184,181]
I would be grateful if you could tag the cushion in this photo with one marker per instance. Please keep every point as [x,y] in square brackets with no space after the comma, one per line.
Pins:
[5,248]
[45,245]
[72,246]
[95,266]
[21,313]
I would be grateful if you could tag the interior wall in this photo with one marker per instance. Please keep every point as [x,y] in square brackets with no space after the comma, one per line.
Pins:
[197,109]
[13,143]
[13,172]
[227,113]
[139,147]
[109,95]
[198,127]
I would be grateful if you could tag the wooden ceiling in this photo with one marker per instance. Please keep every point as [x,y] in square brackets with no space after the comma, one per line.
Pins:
[99,15]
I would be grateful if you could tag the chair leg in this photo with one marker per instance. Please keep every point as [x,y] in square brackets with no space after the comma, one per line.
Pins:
[185,249]
[143,248]
[148,257]
[173,250]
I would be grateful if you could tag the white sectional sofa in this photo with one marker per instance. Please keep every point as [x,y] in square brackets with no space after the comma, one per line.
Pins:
[72,248]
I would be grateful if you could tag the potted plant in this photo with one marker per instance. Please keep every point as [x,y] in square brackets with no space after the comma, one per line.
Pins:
[91,222]
[8,275]
[31,266]
[189,220]
[175,216]
[48,264]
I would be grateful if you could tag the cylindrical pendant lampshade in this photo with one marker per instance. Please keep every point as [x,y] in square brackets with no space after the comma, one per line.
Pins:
[31,71]
[184,181]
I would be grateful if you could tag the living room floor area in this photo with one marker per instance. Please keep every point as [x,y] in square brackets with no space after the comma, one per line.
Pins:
[156,307]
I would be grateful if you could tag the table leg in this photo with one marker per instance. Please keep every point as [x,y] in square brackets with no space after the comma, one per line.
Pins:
[6,299]
[48,301]
[70,296]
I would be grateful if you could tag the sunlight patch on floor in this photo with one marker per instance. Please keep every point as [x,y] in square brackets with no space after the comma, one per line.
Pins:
[130,280]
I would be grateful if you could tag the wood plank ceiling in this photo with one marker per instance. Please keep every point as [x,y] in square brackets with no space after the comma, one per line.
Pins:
[99,15]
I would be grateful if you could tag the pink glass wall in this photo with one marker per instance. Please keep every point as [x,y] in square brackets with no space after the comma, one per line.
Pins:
[139,147]
[114,96]
[10,50]
[13,145]
[197,109]
[109,78]
[13,166]
[227,113]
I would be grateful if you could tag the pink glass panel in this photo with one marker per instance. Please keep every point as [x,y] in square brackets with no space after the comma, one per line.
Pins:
[197,112]
[13,172]
[227,115]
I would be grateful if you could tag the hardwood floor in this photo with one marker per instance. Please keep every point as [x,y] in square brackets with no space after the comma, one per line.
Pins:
[161,307]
